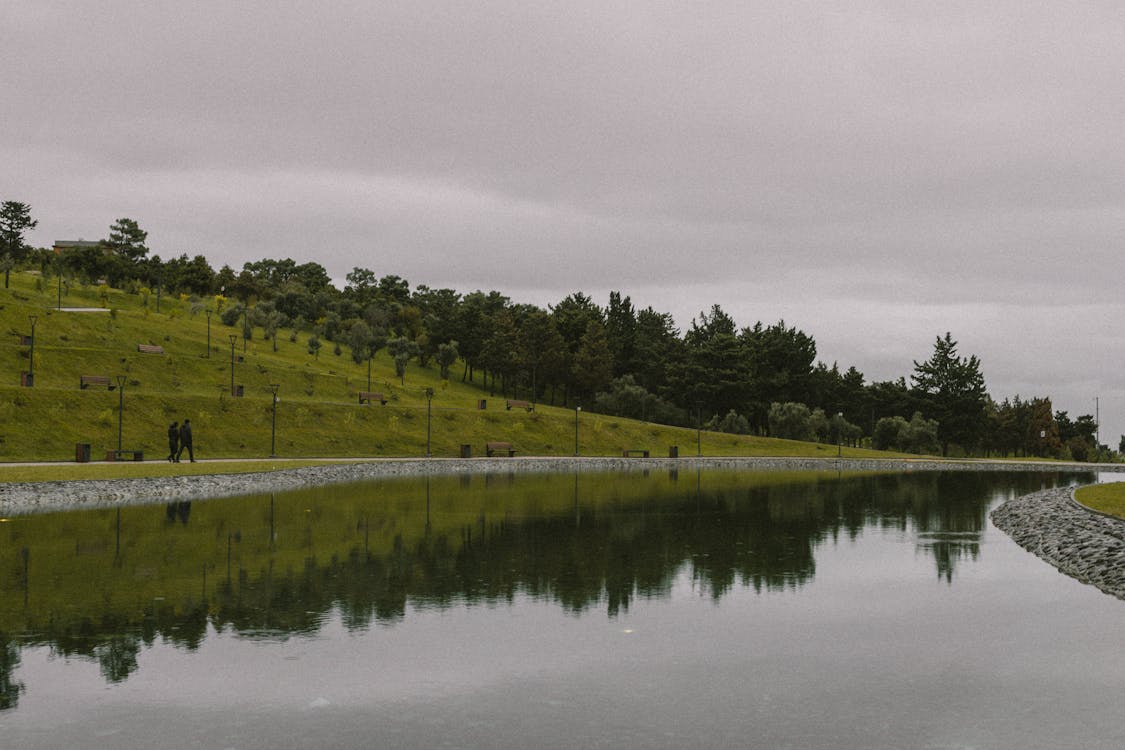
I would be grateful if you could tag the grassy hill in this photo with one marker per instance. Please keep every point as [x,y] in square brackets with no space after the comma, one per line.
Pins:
[318,414]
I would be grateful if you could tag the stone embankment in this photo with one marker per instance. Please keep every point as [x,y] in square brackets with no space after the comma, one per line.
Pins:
[41,497]
[1080,542]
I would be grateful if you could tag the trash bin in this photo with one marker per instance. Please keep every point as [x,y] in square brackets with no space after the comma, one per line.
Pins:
[673,451]
[482,404]
[27,379]
[238,391]
[466,450]
[82,453]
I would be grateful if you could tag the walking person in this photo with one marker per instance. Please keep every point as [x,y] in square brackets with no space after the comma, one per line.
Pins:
[173,441]
[185,441]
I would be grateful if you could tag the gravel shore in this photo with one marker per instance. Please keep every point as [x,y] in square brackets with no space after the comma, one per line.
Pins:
[1082,543]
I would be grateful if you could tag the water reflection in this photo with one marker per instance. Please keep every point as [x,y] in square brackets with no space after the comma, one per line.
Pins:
[102,585]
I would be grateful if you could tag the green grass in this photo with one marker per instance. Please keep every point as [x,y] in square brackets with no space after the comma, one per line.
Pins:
[1108,498]
[318,414]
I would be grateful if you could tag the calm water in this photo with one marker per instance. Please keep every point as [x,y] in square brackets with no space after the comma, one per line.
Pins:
[700,610]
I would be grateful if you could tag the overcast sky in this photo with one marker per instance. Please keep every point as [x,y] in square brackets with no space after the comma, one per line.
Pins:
[875,173]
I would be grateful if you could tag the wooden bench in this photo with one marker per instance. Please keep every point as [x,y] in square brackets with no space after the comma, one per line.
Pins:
[371,397]
[642,452]
[85,381]
[114,455]
[150,349]
[514,404]
[499,448]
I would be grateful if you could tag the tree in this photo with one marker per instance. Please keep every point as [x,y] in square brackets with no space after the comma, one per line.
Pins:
[712,371]
[127,241]
[779,367]
[593,362]
[15,219]
[952,388]
[402,349]
[790,421]
[446,356]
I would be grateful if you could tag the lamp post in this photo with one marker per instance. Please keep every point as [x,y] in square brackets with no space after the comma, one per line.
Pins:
[120,408]
[429,401]
[158,285]
[233,338]
[577,411]
[273,425]
[370,356]
[60,281]
[31,352]
[208,334]
[698,429]
[839,425]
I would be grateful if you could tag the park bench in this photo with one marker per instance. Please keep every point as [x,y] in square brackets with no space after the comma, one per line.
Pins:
[642,452]
[84,381]
[500,448]
[371,397]
[115,455]
[515,404]
[150,349]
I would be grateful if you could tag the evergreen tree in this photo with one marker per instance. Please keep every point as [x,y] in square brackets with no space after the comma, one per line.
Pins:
[15,219]
[953,389]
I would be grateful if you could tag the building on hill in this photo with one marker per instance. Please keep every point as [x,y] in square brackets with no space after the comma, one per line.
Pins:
[62,246]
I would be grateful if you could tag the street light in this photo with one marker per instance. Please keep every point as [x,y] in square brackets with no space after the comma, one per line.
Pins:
[273,426]
[839,425]
[31,353]
[698,429]
[429,400]
[577,411]
[120,408]
[208,334]
[233,338]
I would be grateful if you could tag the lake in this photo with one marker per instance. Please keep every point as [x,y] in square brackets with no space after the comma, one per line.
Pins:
[644,610]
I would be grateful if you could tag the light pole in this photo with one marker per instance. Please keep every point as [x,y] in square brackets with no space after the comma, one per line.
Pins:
[233,338]
[120,408]
[31,353]
[370,356]
[577,411]
[429,401]
[839,425]
[698,429]
[273,426]
[208,334]
[60,281]
[158,285]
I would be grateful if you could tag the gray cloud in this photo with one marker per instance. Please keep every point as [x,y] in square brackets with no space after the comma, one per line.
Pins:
[874,172]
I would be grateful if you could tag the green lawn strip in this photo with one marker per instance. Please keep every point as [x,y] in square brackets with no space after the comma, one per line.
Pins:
[1107,498]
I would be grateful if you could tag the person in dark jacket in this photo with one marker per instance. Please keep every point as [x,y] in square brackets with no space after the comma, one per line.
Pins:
[173,440]
[185,441]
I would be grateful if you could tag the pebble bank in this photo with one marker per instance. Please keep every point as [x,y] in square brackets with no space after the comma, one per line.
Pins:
[1082,543]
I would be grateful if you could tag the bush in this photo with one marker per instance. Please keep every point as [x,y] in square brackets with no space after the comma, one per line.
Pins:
[791,421]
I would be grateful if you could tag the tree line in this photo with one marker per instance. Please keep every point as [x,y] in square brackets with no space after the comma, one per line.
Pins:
[616,359]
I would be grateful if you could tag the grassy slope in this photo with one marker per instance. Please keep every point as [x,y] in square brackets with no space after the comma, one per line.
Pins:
[318,414]
[1108,498]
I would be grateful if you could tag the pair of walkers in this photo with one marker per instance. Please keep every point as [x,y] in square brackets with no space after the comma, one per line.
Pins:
[179,440]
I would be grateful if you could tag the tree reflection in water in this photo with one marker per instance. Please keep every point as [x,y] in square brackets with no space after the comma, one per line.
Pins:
[107,583]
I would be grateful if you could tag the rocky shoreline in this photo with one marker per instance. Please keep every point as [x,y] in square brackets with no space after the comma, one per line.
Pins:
[1080,542]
